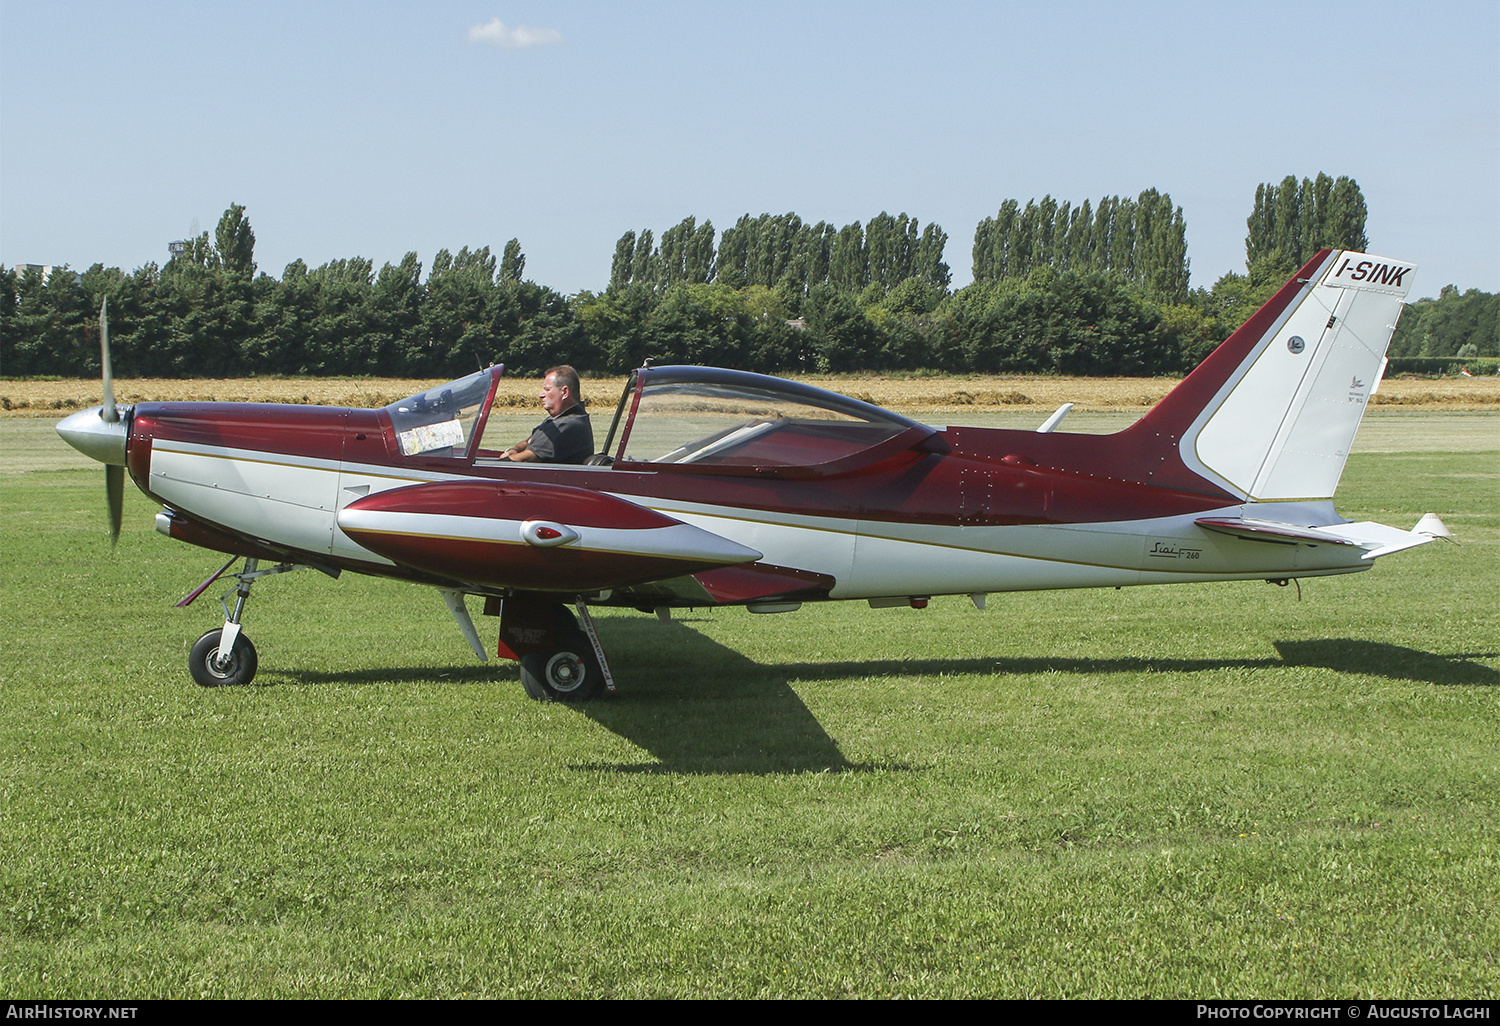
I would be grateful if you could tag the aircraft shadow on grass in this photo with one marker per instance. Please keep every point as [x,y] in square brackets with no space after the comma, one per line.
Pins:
[700,707]
[705,708]
[1345,655]
[695,705]
[1394,662]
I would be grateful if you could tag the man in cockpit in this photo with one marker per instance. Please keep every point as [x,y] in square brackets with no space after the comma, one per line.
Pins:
[566,436]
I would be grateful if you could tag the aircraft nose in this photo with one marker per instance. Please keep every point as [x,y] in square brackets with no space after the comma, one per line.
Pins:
[98,439]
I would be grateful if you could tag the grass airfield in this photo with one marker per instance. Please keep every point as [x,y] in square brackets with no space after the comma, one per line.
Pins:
[1184,791]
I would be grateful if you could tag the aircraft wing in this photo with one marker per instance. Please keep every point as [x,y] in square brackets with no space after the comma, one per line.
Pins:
[535,537]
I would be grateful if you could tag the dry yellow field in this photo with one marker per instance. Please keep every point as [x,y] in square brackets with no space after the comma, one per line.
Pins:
[920,395]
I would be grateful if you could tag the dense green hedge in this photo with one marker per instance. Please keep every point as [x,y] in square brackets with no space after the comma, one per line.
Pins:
[1057,291]
[1443,366]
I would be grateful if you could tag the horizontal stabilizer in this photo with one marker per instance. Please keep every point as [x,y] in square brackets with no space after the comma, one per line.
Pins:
[1381,540]
[1270,531]
[1376,539]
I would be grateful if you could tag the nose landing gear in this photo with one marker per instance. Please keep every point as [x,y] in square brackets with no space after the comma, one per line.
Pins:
[225,656]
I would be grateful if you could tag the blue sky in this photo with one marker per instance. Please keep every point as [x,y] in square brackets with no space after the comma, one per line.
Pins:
[375,128]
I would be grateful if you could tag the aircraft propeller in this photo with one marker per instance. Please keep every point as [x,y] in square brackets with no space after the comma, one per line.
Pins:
[100,433]
[114,474]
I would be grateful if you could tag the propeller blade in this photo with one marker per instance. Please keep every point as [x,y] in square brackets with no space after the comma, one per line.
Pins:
[108,413]
[114,492]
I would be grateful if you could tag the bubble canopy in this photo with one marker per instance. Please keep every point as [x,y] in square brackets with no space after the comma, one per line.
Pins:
[711,418]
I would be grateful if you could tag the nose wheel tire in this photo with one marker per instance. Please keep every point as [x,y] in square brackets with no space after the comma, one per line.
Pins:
[211,672]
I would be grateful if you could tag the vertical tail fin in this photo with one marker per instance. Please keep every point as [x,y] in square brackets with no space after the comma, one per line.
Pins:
[1271,413]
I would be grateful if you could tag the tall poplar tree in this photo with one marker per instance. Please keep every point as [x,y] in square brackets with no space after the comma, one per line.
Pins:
[624,262]
[1293,220]
[512,261]
[236,242]
[848,267]
[642,268]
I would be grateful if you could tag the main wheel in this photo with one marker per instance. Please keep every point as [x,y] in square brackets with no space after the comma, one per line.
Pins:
[207,670]
[571,674]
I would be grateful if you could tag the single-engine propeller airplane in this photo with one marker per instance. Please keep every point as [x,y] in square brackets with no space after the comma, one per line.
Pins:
[722,487]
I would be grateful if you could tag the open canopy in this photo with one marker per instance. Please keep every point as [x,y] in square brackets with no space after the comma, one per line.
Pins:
[713,419]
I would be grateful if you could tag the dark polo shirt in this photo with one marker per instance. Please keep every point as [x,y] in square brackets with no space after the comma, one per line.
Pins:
[565,438]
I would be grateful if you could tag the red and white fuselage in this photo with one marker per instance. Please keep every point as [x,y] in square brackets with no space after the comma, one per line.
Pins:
[1230,477]
[718,486]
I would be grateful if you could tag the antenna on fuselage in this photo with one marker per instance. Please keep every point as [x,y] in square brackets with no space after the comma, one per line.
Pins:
[1057,418]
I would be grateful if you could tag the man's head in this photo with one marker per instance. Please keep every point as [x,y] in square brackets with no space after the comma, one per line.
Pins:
[560,390]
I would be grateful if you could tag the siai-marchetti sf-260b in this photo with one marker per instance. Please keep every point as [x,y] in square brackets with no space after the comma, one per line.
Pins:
[720,487]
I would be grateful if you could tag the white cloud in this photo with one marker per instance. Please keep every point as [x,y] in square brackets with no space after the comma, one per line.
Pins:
[495,33]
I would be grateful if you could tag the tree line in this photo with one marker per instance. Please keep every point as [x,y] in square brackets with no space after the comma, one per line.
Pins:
[1142,241]
[779,251]
[1460,325]
[1101,288]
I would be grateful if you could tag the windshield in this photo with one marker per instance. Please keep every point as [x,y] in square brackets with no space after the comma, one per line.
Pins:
[749,420]
[443,420]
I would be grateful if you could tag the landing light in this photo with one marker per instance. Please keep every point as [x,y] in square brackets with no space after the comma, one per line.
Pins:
[547,533]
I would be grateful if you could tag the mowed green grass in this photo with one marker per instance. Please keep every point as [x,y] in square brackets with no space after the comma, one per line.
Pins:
[1183,791]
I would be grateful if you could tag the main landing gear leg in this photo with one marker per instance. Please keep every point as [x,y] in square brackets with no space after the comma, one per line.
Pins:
[226,656]
[560,661]
[593,636]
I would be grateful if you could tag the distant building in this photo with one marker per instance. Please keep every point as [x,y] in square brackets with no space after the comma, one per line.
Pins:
[46,271]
